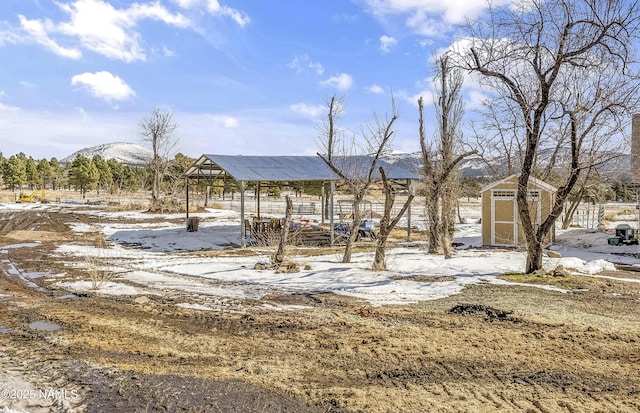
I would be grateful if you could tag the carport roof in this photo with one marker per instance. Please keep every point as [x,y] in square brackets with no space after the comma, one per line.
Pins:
[261,168]
[282,168]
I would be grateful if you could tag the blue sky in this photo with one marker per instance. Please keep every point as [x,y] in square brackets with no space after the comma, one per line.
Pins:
[241,77]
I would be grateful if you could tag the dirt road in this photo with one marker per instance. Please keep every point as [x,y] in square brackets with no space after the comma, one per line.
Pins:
[492,348]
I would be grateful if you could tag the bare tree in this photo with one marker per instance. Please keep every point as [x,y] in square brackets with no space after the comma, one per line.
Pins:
[387,224]
[498,146]
[157,130]
[439,160]
[558,65]
[331,139]
[357,172]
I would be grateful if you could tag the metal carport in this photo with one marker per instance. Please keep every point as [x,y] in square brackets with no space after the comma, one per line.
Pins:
[284,169]
[261,169]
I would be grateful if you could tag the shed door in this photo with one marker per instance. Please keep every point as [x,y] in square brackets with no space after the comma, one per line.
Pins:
[504,228]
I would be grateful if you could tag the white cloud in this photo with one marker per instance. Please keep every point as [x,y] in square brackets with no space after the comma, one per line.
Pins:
[164,51]
[225,121]
[104,85]
[109,31]
[342,81]
[9,35]
[98,26]
[187,4]
[37,30]
[427,96]
[430,17]
[83,113]
[302,64]
[238,16]
[4,107]
[215,8]
[387,43]
[473,93]
[310,111]
[168,52]
[375,89]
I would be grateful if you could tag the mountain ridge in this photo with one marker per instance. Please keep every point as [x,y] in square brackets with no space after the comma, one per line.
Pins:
[122,152]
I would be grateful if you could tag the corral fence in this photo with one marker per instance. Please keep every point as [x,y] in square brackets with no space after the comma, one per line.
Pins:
[587,215]
[124,200]
[342,209]
[307,206]
[469,208]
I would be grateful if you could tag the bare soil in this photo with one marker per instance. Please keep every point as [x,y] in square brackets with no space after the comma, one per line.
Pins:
[492,348]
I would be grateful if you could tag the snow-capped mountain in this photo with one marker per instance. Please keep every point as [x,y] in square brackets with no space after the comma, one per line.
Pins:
[472,166]
[125,153]
[616,166]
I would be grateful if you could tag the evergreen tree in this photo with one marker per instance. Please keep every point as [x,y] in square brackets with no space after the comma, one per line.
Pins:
[118,175]
[45,172]
[105,177]
[14,172]
[57,174]
[83,174]
[31,169]
[133,178]
[177,167]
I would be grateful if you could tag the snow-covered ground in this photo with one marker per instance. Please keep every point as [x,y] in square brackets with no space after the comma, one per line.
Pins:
[148,256]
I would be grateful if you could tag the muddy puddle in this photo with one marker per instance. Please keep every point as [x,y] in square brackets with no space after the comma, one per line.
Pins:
[44,326]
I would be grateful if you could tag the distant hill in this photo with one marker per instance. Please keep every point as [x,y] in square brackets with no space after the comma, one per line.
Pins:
[125,153]
[473,166]
[618,167]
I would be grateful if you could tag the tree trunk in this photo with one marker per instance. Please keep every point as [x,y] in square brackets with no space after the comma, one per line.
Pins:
[387,223]
[568,217]
[284,233]
[447,218]
[534,256]
[446,239]
[435,229]
[379,261]
[357,216]
[434,237]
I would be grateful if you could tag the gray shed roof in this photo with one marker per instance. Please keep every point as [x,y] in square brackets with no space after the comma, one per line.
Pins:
[286,168]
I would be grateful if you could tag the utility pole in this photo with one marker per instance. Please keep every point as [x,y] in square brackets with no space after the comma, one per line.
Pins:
[638,208]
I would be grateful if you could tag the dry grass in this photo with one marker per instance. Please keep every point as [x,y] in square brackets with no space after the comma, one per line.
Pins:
[574,351]
[424,278]
[571,282]
[99,264]
[378,359]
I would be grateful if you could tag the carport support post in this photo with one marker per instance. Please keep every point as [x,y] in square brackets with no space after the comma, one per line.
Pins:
[187,196]
[258,197]
[638,206]
[322,200]
[332,189]
[242,228]
[409,212]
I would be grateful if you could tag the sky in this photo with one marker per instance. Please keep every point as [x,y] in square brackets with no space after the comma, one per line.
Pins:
[250,77]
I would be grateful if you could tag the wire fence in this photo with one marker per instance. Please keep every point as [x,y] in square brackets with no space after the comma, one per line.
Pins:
[587,215]
[132,200]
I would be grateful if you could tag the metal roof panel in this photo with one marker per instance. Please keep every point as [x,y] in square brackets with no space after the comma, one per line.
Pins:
[289,168]
[274,168]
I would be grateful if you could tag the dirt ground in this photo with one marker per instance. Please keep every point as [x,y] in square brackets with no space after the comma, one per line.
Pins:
[492,348]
